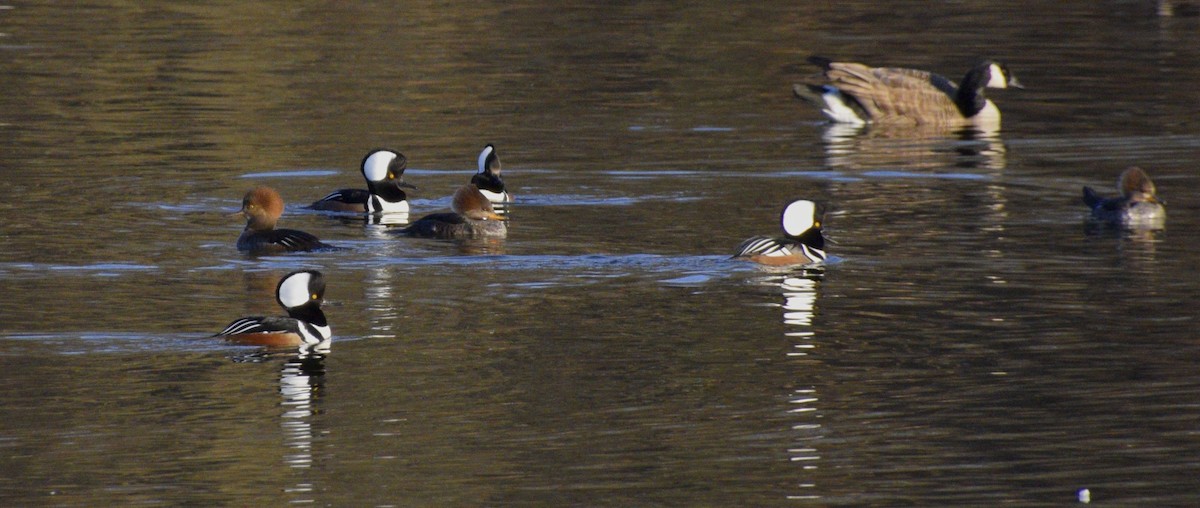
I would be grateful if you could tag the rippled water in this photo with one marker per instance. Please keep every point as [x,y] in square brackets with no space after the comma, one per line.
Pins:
[971,342]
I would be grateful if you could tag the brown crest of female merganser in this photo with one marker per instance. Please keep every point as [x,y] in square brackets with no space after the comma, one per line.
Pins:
[262,207]
[472,216]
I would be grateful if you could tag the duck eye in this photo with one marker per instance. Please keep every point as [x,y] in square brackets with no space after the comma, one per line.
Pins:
[314,296]
[391,175]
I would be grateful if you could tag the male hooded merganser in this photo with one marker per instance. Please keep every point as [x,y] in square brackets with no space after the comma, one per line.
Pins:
[1138,207]
[803,244]
[858,94]
[472,217]
[488,180]
[301,294]
[384,171]
[262,207]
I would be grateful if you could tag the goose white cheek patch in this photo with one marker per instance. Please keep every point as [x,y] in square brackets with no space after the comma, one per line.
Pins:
[997,80]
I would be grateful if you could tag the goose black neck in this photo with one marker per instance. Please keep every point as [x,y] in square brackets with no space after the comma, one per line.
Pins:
[970,99]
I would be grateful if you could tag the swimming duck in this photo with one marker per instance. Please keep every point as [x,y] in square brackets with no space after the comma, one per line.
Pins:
[301,294]
[802,244]
[489,182]
[262,207]
[1137,208]
[472,216]
[858,94]
[383,170]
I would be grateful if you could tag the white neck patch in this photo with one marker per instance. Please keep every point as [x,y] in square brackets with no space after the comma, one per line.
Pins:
[293,291]
[997,79]
[375,168]
[798,217]
[483,157]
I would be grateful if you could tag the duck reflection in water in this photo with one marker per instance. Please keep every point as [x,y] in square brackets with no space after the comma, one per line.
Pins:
[799,288]
[300,383]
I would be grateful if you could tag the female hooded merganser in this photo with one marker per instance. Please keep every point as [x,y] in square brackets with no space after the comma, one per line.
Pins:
[488,180]
[803,243]
[858,94]
[472,217]
[301,294]
[1138,207]
[384,171]
[262,207]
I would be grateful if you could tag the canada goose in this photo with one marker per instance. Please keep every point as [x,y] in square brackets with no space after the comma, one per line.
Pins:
[858,94]
[1137,208]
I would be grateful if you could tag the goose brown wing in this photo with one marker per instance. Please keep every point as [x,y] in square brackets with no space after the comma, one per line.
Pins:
[890,94]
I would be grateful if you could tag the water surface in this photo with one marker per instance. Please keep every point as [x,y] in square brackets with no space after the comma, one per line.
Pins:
[972,344]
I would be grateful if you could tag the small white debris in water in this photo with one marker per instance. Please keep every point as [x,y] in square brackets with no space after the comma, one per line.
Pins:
[1085,496]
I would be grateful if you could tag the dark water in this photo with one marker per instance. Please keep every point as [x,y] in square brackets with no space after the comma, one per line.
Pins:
[971,344]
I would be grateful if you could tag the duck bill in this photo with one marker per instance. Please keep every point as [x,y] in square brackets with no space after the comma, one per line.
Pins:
[494,216]
[406,185]
[1013,83]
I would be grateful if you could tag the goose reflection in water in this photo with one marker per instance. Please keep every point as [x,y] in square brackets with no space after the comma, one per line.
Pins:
[799,289]
[867,147]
